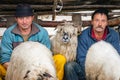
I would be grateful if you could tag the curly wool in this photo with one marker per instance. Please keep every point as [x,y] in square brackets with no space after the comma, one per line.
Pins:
[65,41]
[102,62]
[31,61]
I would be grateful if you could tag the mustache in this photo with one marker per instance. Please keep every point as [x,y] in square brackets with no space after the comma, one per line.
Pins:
[99,27]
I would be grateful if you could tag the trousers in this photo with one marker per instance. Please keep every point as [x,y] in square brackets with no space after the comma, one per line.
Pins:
[68,70]
[73,71]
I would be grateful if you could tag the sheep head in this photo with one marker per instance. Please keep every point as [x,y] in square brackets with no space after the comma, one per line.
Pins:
[65,32]
[36,74]
[65,40]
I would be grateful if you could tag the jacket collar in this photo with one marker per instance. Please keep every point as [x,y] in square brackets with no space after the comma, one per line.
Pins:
[90,32]
[104,35]
[33,31]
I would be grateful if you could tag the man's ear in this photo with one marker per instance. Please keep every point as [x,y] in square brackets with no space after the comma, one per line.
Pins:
[15,18]
[92,22]
[33,17]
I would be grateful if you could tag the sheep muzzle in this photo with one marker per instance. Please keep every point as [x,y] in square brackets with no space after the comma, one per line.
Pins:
[66,38]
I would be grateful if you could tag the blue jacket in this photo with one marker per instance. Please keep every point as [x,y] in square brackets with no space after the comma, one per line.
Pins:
[12,38]
[85,40]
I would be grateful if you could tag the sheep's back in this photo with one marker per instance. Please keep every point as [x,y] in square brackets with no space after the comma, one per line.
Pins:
[28,56]
[102,60]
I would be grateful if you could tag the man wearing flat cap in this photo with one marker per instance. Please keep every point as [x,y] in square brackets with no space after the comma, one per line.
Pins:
[23,30]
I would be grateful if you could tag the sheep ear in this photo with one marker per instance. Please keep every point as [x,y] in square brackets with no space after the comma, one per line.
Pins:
[59,27]
[47,75]
[78,28]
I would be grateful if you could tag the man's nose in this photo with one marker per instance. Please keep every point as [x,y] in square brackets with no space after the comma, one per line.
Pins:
[100,23]
[24,20]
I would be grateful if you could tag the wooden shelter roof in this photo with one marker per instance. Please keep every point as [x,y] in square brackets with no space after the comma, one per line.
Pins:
[7,7]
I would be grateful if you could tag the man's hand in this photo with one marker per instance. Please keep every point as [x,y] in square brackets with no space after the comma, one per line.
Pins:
[5,65]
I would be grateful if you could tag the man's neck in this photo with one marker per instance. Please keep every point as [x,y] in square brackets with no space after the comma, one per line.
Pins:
[25,31]
[99,36]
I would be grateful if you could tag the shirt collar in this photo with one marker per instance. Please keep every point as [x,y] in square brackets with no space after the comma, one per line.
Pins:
[33,31]
[104,35]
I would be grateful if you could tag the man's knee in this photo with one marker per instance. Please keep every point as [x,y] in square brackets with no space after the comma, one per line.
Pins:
[70,65]
[2,71]
[60,59]
[73,71]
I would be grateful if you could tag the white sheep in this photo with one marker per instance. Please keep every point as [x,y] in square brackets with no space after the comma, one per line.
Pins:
[31,61]
[65,41]
[102,62]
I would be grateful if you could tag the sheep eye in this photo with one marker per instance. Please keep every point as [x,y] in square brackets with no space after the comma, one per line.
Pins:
[26,75]
[64,32]
[47,75]
[73,33]
[59,30]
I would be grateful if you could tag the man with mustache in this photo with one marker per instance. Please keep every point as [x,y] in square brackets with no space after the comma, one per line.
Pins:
[98,31]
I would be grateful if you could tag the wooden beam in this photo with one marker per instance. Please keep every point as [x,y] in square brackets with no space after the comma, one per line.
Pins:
[92,7]
[48,9]
[115,21]
[112,22]
[74,7]
[13,6]
[11,13]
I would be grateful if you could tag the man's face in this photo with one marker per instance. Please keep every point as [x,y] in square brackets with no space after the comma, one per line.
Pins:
[24,22]
[99,22]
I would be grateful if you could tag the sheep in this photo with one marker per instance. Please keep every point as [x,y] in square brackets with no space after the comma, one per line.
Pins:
[102,62]
[65,40]
[31,61]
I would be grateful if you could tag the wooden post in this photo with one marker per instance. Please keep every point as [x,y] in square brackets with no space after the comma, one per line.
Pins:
[10,21]
[54,8]
[36,18]
[76,18]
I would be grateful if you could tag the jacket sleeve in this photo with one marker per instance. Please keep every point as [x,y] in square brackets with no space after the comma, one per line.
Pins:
[6,48]
[46,39]
[81,51]
[116,42]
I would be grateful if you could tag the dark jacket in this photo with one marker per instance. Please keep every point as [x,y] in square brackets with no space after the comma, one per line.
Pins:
[85,40]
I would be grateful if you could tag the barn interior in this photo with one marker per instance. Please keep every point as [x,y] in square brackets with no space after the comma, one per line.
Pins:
[49,13]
